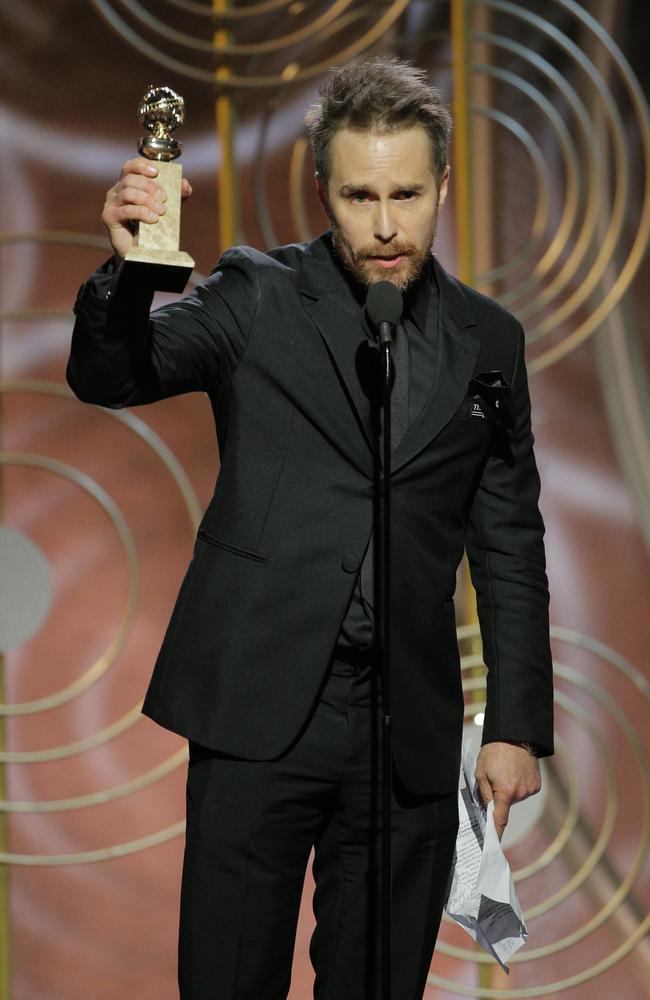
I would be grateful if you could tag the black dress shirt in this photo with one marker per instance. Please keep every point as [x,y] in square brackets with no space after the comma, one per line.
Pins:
[420,321]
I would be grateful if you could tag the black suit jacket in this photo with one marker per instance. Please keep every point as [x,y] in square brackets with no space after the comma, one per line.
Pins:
[274,340]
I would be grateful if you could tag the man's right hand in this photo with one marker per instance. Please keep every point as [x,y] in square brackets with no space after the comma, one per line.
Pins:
[137,197]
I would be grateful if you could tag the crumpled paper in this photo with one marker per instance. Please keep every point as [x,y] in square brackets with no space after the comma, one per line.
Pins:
[481,896]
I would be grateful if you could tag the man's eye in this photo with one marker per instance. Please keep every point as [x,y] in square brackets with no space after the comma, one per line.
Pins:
[359,197]
[405,195]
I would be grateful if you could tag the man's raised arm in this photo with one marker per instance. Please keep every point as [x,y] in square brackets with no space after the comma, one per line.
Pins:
[121,354]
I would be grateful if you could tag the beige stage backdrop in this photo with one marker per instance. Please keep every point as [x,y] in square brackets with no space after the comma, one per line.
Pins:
[98,508]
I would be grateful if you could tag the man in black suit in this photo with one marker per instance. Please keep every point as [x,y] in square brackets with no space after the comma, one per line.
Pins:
[268,664]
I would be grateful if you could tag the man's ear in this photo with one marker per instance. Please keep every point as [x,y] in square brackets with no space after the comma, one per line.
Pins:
[442,189]
[322,195]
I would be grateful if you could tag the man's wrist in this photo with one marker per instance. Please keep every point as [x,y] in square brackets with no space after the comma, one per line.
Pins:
[532,748]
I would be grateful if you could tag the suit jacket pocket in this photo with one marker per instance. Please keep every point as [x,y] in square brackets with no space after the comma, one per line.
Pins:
[237,550]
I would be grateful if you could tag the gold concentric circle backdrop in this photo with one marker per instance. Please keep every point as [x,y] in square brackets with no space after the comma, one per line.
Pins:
[141,28]
[579,258]
[581,701]
[567,273]
[108,659]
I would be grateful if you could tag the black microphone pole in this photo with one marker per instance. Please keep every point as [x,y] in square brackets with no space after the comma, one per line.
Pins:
[384,310]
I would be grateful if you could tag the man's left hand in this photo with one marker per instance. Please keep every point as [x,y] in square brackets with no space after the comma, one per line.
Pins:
[506,773]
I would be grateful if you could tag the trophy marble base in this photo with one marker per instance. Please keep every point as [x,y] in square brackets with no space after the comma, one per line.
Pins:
[155,258]
[165,270]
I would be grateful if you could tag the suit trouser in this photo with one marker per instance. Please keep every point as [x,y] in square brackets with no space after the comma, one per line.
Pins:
[250,830]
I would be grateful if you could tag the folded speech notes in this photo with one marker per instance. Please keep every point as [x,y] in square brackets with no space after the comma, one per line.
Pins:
[482,897]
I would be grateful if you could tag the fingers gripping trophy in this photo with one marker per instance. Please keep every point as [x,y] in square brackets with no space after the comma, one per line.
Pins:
[155,248]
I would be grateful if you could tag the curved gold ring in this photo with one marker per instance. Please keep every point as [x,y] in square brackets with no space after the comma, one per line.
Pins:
[579,680]
[98,798]
[103,662]
[101,854]
[234,81]
[230,48]
[232,13]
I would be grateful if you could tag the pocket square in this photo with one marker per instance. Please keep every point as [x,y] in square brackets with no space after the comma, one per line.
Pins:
[491,397]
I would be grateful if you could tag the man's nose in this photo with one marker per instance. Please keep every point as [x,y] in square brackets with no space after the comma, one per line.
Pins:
[383,223]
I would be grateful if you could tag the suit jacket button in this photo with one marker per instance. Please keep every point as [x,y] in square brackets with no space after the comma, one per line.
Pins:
[350,564]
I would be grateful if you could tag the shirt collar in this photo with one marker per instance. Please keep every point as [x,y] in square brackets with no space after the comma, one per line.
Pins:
[417,297]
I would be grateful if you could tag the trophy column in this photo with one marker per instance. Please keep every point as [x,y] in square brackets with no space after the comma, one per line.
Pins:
[155,257]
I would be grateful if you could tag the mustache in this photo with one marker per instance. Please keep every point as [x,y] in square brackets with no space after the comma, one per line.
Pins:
[386,250]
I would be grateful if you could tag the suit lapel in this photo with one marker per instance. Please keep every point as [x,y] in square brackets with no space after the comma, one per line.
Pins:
[337,396]
[457,354]
[337,393]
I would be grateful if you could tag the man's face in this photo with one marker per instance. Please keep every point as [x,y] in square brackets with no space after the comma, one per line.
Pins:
[383,201]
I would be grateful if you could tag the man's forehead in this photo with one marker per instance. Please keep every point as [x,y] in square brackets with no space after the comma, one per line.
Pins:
[372,149]
[350,136]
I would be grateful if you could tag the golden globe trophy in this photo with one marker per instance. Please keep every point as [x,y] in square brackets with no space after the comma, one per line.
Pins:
[155,255]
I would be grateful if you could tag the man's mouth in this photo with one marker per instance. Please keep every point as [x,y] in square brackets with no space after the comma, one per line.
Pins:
[389,260]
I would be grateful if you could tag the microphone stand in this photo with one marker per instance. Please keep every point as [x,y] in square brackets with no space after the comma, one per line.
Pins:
[384,635]
[383,309]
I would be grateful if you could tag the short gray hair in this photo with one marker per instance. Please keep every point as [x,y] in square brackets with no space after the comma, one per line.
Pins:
[383,93]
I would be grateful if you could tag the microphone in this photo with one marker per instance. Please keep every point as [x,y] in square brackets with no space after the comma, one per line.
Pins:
[383,309]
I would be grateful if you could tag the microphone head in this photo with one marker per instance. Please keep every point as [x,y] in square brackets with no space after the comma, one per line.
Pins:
[384,304]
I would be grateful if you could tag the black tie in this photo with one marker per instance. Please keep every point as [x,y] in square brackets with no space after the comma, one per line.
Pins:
[400,390]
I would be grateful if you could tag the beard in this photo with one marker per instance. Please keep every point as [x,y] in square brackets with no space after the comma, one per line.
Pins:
[363,267]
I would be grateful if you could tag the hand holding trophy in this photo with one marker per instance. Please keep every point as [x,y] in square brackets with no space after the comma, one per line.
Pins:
[155,253]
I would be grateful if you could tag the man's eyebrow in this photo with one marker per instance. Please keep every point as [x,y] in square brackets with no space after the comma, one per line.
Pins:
[346,189]
[353,188]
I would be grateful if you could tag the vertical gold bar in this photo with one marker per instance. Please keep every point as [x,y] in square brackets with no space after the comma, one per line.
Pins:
[484,223]
[5,935]
[464,202]
[462,138]
[224,114]
[462,182]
